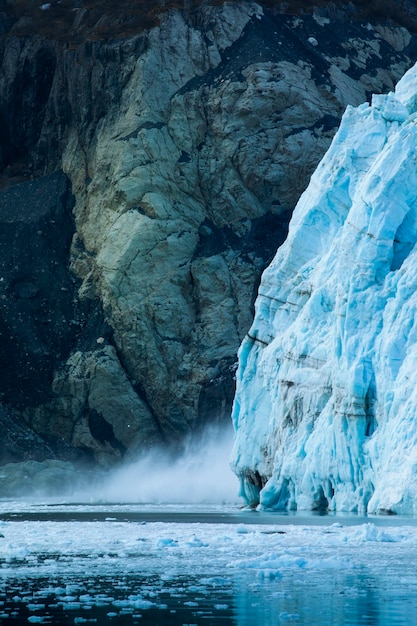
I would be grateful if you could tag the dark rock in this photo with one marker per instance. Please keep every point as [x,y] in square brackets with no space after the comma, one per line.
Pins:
[37,291]
[18,442]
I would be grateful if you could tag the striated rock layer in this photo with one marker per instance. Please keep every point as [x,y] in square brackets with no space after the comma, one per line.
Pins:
[325,410]
[185,147]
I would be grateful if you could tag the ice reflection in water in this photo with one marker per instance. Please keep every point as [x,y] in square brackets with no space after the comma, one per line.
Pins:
[173,572]
[130,600]
[359,599]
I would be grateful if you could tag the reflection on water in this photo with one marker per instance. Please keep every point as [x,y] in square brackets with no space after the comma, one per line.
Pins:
[348,600]
[356,599]
[127,600]
[322,599]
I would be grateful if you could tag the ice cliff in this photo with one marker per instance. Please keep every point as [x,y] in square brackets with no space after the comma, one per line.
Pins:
[326,404]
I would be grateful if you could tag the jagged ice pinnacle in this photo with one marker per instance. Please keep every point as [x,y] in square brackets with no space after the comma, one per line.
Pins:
[325,411]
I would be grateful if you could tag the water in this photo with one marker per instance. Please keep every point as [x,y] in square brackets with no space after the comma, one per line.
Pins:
[175,565]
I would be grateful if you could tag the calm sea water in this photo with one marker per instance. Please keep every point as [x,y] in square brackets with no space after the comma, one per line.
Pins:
[80,565]
[323,600]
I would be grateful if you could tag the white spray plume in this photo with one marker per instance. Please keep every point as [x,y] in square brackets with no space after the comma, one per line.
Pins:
[201,475]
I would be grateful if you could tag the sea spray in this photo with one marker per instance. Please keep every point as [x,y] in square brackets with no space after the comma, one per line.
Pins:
[200,475]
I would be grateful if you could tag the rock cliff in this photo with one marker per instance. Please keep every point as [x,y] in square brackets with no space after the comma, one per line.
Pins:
[147,180]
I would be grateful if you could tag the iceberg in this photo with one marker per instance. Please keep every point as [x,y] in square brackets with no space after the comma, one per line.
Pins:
[325,411]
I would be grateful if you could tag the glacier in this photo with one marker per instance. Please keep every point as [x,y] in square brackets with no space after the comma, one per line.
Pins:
[325,411]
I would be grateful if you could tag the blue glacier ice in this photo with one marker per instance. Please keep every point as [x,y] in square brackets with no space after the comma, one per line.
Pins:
[325,412]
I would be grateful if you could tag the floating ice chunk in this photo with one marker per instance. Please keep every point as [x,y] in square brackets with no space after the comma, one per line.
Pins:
[195,542]
[86,597]
[370,532]
[268,574]
[272,564]
[138,602]
[328,563]
[288,617]
[74,606]
[166,542]
[242,529]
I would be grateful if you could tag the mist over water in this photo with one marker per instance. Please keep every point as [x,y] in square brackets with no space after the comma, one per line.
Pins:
[201,475]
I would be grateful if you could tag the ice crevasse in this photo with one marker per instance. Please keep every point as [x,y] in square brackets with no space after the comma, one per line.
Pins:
[325,412]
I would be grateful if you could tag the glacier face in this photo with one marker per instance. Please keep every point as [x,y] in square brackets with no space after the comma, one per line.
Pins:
[325,411]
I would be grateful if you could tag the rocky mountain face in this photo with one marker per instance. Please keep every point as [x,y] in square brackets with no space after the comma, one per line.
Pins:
[146,182]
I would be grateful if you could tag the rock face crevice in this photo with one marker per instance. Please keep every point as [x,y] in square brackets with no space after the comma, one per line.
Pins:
[186,147]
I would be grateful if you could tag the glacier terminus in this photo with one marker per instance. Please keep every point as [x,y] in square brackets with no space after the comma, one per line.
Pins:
[325,412]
